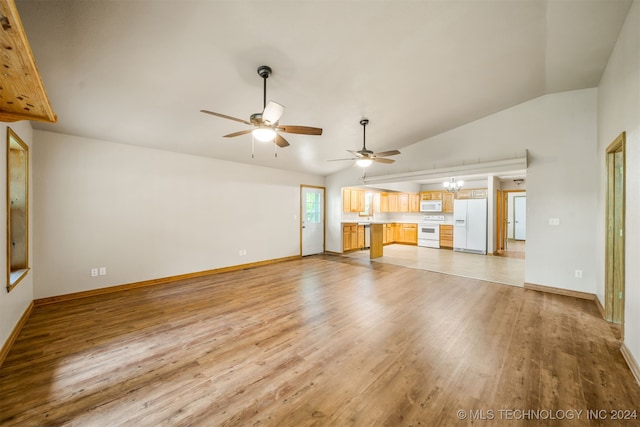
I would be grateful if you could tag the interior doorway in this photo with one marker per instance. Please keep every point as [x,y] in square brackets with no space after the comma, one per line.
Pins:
[614,264]
[312,222]
[511,223]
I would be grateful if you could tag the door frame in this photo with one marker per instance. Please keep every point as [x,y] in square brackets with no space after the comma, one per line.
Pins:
[324,215]
[615,257]
[502,215]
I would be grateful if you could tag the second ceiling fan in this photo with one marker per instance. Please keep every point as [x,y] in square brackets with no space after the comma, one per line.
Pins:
[364,157]
[265,124]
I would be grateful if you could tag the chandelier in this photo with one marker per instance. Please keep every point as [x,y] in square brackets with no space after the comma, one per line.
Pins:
[453,185]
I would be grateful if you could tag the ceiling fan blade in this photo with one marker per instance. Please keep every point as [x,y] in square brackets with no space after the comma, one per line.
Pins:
[242,132]
[303,130]
[339,160]
[280,141]
[382,160]
[356,153]
[387,153]
[225,117]
[272,113]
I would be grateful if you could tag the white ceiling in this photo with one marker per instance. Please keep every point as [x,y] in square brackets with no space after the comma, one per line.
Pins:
[138,72]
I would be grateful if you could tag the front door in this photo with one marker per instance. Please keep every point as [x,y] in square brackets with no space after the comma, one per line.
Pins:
[312,216]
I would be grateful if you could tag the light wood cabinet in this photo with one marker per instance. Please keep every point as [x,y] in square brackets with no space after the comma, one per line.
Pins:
[350,238]
[472,193]
[406,233]
[393,202]
[403,202]
[480,193]
[352,200]
[360,239]
[447,202]
[384,202]
[431,195]
[446,236]
[414,202]
[464,194]
[387,234]
[399,202]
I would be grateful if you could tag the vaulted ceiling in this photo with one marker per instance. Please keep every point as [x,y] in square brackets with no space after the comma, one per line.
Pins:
[138,72]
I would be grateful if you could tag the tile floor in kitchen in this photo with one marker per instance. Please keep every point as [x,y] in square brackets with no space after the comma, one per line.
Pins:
[507,269]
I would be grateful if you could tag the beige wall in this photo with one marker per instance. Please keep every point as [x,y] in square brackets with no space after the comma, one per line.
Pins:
[618,111]
[13,304]
[146,214]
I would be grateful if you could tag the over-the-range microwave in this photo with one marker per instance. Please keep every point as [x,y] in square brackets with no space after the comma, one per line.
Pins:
[431,206]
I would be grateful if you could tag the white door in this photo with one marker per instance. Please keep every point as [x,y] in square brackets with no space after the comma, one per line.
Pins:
[312,200]
[520,218]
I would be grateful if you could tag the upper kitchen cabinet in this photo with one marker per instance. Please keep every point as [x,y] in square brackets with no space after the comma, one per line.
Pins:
[353,200]
[447,202]
[472,193]
[399,202]
[22,93]
[431,195]
[414,202]
[403,202]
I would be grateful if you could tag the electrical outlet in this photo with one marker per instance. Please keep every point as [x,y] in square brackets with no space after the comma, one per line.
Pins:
[578,274]
[103,271]
[554,221]
[94,272]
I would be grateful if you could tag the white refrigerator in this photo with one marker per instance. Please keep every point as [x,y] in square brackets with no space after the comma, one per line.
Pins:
[470,226]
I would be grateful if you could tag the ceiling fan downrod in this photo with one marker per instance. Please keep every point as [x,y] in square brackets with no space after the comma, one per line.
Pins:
[364,123]
[264,71]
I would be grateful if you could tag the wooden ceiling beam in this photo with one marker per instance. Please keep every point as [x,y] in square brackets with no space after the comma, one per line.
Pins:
[22,93]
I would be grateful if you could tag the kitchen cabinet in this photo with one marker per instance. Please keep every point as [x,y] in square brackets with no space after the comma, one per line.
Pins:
[403,202]
[414,202]
[399,202]
[431,195]
[464,194]
[352,200]
[352,236]
[384,202]
[447,202]
[446,236]
[387,233]
[480,193]
[360,242]
[472,193]
[393,202]
[406,233]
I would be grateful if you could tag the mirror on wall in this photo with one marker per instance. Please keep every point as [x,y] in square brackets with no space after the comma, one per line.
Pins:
[17,209]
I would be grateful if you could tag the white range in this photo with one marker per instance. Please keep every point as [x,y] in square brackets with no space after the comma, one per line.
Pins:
[429,231]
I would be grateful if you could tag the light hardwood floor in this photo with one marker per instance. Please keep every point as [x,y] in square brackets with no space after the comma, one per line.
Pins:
[321,341]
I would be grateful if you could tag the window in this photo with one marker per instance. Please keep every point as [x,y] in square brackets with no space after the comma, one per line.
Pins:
[313,208]
[17,209]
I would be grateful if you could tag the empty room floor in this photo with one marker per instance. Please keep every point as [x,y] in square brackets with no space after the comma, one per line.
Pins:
[321,341]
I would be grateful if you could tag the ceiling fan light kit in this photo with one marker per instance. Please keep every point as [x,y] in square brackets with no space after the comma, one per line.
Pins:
[364,162]
[264,134]
[364,158]
[266,123]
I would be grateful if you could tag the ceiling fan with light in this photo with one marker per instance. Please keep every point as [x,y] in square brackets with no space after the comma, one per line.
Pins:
[365,157]
[266,124]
